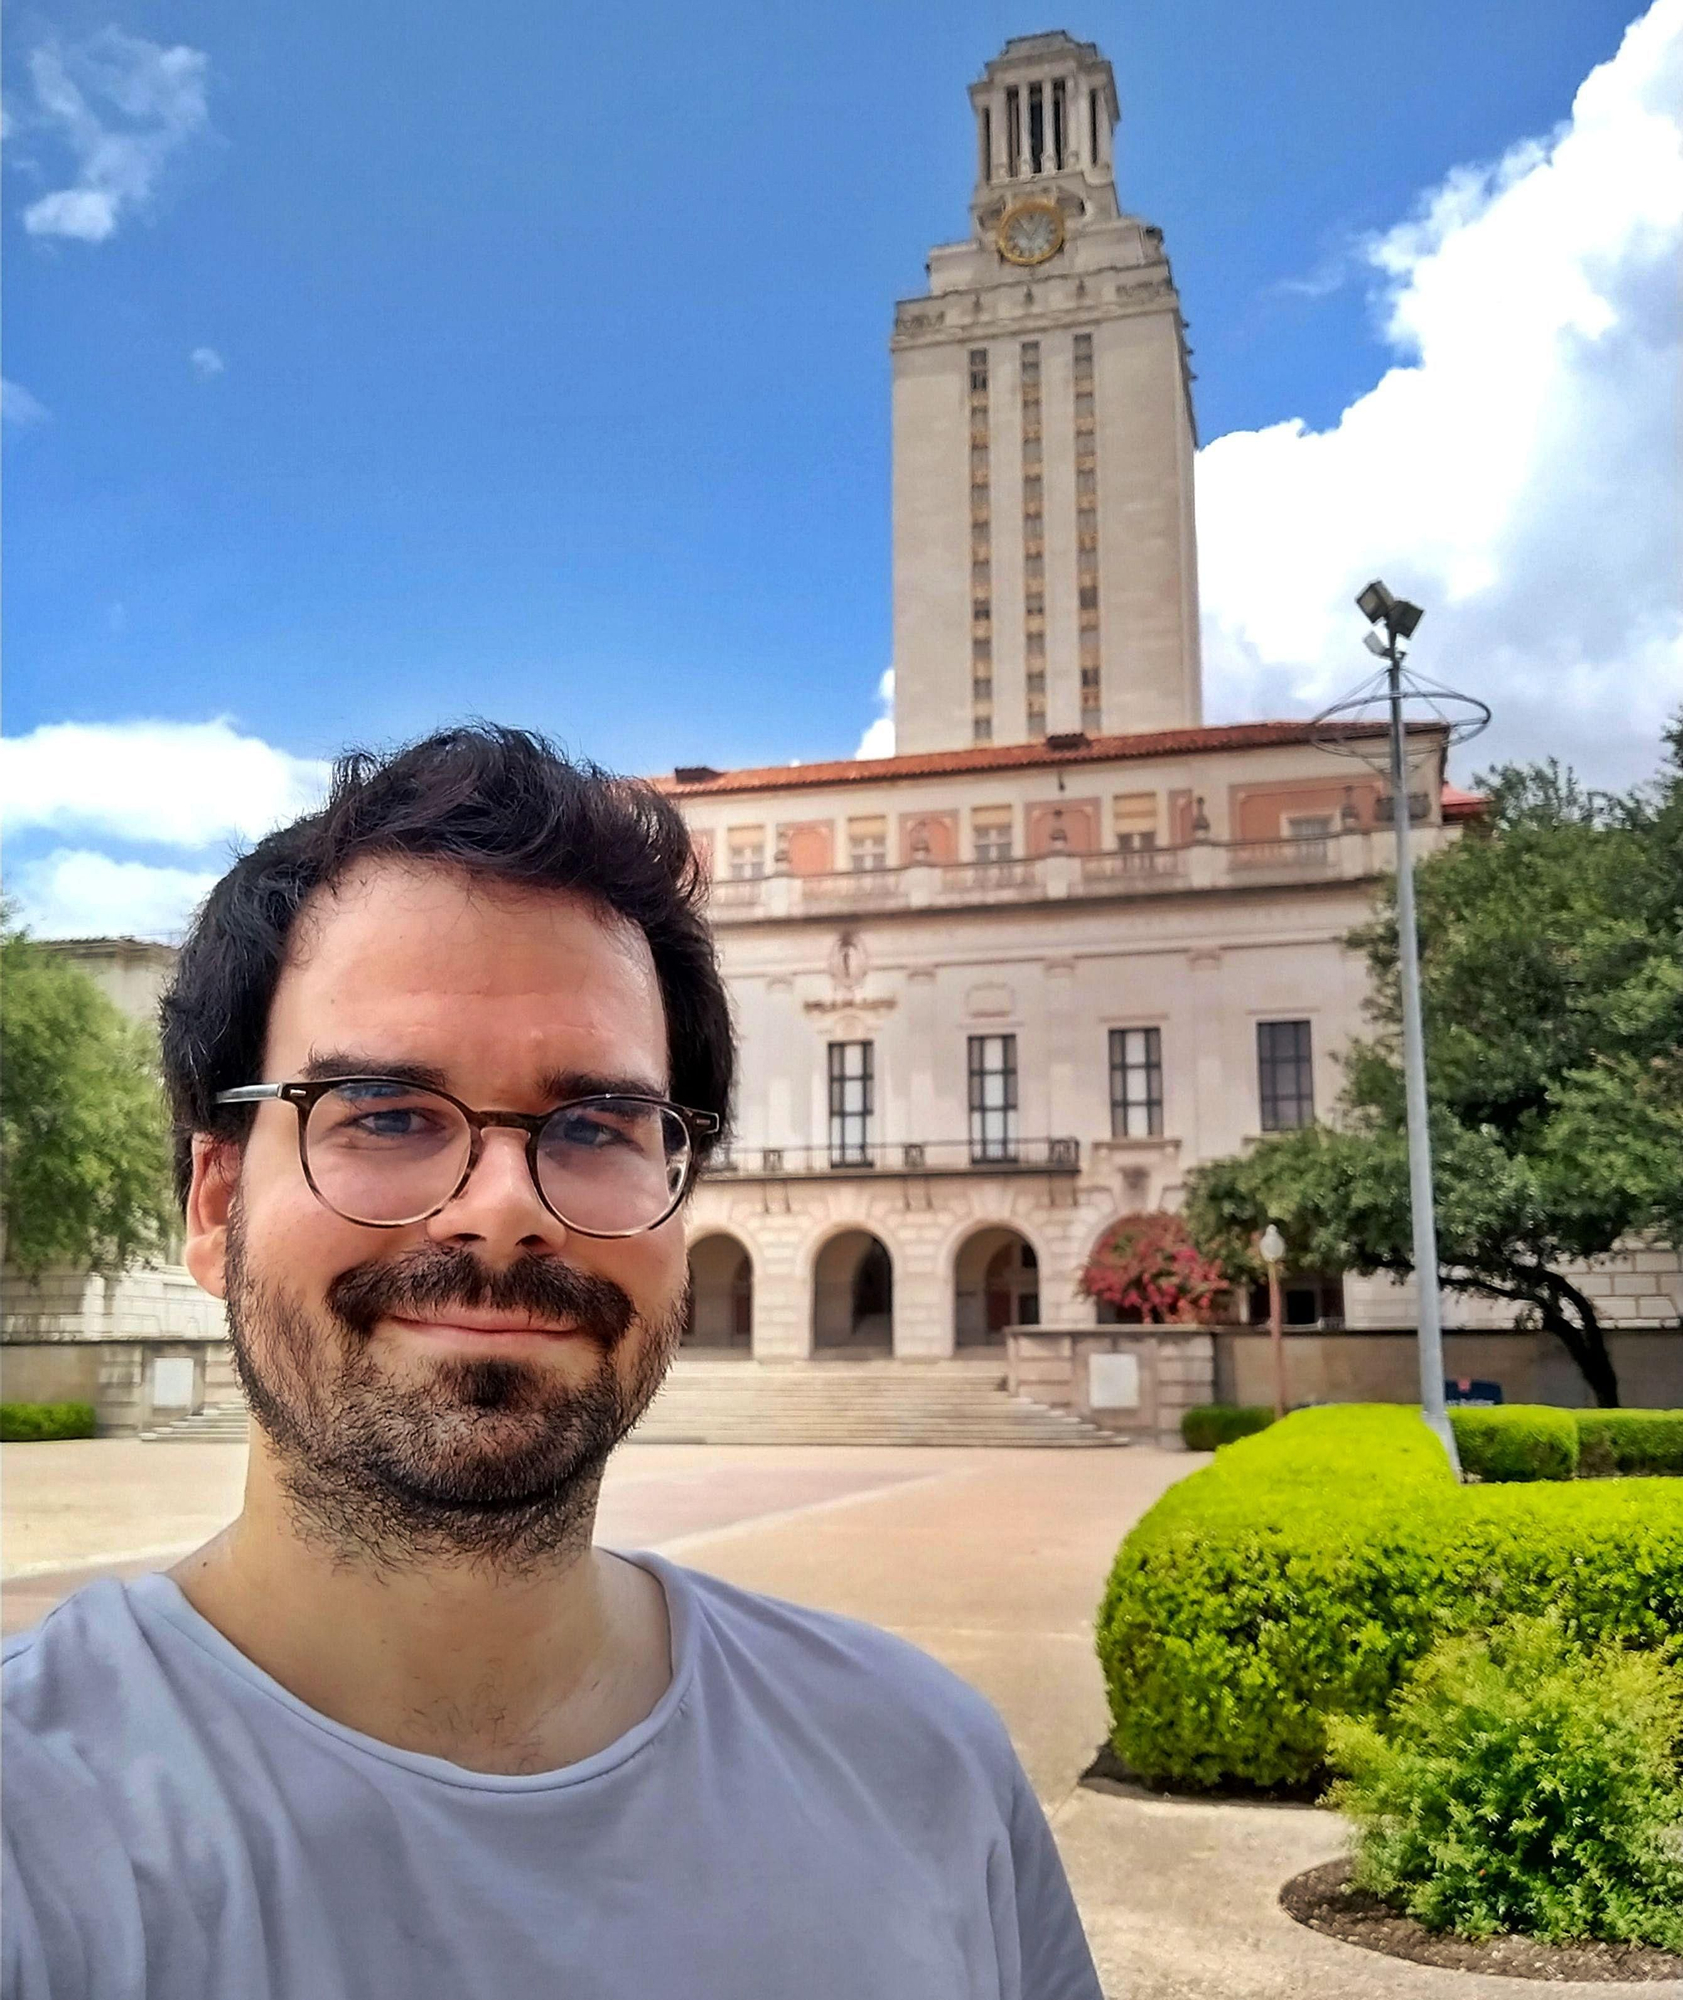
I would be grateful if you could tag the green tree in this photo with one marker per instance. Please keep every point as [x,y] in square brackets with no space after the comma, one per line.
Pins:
[85,1165]
[1551,940]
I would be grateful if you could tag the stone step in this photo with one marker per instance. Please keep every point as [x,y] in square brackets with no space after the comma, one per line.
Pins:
[744,1404]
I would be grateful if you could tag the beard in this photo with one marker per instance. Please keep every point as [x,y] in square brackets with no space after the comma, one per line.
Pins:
[496,1462]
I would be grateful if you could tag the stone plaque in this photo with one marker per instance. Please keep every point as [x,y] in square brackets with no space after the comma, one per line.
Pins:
[1113,1381]
[172,1382]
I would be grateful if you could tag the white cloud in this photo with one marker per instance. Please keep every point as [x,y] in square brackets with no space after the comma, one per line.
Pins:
[1513,472]
[206,362]
[878,739]
[179,784]
[122,106]
[75,892]
[18,406]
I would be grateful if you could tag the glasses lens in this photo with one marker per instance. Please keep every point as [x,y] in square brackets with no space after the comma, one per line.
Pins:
[385,1152]
[613,1163]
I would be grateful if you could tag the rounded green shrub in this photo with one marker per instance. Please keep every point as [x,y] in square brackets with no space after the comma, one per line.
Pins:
[1524,1784]
[1517,1441]
[1302,1573]
[22,1423]
[1630,1442]
[1211,1425]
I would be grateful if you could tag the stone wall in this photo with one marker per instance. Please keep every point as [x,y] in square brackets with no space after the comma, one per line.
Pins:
[75,1337]
[1383,1368]
[1136,1380]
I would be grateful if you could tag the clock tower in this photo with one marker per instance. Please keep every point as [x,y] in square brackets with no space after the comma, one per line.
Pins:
[1045,561]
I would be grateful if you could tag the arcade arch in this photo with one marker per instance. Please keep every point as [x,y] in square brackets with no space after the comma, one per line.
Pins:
[721,1307]
[853,1295]
[996,1284]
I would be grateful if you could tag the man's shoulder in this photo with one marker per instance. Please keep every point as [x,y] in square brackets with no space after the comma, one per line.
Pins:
[86,1658]
[847,1667]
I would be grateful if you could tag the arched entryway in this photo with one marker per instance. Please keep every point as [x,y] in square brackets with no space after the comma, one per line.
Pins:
[996,1284]
[853,1295]
[721,1309]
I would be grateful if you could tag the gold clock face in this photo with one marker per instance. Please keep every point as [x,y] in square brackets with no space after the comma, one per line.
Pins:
[1030,232]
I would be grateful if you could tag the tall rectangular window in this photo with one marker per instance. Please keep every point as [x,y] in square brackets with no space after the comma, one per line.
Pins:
[1285,1076]
[852,1090]
[1136,1083]
[745,852]
[867,845]
[993,1098]
[990,828]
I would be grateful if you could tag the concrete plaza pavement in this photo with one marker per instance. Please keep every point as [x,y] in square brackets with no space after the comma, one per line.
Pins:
[992,1561]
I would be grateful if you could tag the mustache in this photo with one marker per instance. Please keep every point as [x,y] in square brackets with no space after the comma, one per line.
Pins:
[426,1281]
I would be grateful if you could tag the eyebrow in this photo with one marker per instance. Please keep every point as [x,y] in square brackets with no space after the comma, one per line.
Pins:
[559,1085]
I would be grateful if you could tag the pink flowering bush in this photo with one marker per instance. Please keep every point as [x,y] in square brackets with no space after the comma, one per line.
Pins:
[1149,1269]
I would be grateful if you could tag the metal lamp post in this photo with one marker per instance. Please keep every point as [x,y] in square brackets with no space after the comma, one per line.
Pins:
[1273,1248]
[1458,716]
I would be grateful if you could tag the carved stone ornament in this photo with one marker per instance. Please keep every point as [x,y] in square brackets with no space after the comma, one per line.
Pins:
[849,962]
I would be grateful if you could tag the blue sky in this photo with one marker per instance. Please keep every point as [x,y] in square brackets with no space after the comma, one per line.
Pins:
[503,362]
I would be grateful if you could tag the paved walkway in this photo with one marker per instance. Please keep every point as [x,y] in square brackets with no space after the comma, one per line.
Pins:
[992,1561]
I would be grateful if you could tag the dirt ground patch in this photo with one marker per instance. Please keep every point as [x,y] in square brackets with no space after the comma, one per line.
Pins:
[1323,1899]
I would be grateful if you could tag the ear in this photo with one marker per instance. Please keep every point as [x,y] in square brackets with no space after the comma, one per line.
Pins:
[210,1197]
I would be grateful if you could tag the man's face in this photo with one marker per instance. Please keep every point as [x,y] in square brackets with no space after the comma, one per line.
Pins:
[456,1384]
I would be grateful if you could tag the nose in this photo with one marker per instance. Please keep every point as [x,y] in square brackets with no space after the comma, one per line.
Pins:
[498,1208]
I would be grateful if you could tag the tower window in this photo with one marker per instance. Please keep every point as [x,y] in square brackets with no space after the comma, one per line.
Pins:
[1013,131]
[979,368]
[1036,126]
[987,144]
[1093,126]
[1058,123]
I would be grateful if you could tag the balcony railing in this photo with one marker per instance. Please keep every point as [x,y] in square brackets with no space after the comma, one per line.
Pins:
[1316,852]
[911,1156]
[1355,854]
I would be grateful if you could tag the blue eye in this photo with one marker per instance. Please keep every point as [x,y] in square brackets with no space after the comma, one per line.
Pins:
[593,1134]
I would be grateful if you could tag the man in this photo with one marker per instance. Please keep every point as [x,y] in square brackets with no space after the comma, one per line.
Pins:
[444,1059]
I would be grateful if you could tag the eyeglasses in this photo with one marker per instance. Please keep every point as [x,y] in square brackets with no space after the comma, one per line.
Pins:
[383,1152]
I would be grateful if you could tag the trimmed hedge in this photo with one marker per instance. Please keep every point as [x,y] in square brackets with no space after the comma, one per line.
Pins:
[1211,1425]
[1302,1573]
[1630,1441]
[22,1423]
[1534,1441]
[1518,1441]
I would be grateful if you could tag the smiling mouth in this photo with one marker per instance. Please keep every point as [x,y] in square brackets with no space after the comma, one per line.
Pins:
[485,1325]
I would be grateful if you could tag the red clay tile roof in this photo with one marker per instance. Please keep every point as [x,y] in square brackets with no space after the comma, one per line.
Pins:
[1458,804]
[994,757]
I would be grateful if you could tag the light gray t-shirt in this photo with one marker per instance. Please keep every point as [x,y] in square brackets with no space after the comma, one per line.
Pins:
[814,1810]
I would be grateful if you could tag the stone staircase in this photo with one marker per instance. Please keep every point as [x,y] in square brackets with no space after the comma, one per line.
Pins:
[216,1423]
[853,1402]
[829,1402]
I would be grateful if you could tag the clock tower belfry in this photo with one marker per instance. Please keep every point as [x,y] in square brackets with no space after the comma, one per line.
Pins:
[1045,559]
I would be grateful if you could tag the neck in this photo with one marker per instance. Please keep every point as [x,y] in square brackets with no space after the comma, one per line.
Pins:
[497,1667]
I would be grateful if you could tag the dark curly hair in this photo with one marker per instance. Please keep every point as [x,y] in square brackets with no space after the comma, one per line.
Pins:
[502,803]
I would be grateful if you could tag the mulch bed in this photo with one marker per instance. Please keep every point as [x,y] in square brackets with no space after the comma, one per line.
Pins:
[1322,1899]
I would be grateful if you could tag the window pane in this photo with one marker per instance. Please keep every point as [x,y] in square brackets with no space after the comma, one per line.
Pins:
[1285,1075]
[852,1101]
[993,1097]
[1136,1083]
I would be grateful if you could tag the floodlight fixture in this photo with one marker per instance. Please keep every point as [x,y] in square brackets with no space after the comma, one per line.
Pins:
[1376,645]
[1374,602]
[1404,617]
